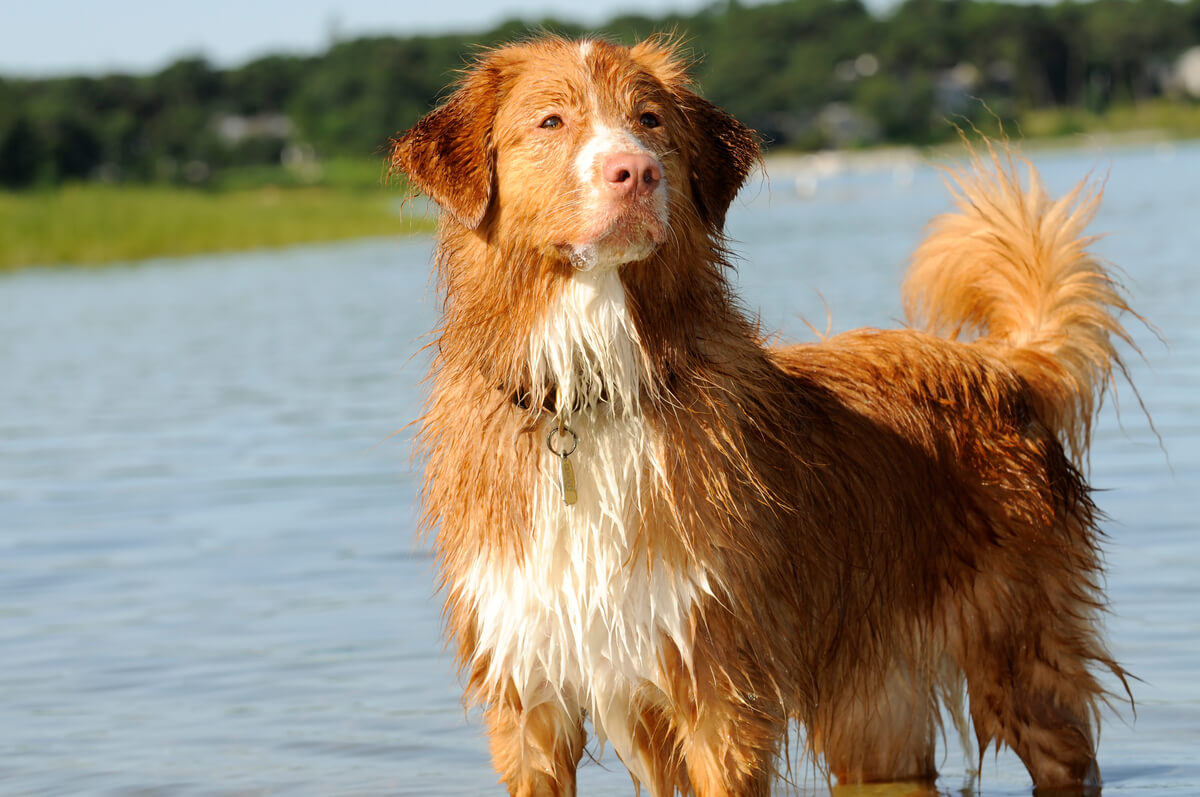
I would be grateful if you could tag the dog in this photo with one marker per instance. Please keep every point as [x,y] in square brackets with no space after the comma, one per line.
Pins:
[648,518]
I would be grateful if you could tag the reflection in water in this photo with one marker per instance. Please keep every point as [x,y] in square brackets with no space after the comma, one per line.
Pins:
[897,789]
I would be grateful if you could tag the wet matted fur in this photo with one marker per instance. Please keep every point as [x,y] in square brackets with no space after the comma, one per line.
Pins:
[849,534]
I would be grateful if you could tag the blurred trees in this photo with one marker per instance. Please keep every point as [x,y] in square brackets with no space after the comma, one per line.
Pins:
[806,73]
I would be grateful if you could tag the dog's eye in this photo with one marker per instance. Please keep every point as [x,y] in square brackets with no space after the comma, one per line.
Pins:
[649,120]
[552,122]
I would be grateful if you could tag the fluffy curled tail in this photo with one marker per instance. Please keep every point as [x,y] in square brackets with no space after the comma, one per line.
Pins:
[1011,267]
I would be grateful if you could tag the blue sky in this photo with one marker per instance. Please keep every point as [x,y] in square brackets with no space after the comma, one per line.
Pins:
[59,37]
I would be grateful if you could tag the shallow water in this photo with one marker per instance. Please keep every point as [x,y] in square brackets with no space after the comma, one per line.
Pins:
[209,580]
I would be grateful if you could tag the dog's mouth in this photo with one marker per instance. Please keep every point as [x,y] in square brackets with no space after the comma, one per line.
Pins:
[633,234]
[586,257]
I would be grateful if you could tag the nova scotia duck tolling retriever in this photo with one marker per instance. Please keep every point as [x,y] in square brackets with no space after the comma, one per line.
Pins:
[649,518]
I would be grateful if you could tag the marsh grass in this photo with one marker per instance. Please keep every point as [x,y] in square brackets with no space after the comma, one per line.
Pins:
[95,224]
[1159,117]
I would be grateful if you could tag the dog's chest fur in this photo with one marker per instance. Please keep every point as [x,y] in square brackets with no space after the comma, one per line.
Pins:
[579,614]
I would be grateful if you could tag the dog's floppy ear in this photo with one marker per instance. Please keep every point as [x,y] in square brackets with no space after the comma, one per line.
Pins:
[725,151]
[449,154]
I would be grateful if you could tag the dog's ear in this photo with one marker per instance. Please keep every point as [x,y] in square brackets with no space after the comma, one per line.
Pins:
[724,152]
[449,154]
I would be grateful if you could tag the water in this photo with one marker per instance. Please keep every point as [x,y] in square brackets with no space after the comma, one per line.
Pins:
[209,579]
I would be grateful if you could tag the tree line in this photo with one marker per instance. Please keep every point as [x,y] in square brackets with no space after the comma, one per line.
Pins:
[805,73]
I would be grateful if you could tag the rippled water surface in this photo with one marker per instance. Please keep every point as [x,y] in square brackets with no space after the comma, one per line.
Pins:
[209,578]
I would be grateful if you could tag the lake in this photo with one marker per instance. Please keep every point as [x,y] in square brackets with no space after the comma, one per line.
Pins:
[209,578]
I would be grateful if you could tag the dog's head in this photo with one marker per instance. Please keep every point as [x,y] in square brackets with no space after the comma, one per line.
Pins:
[589,149]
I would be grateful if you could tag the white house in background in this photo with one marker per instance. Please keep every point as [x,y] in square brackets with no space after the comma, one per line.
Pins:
[233,129]
[1187,72]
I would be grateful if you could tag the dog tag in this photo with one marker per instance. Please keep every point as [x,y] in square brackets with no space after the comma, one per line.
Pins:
[566,473]
[567,480]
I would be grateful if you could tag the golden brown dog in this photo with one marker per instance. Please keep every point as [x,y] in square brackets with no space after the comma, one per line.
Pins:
[648,518]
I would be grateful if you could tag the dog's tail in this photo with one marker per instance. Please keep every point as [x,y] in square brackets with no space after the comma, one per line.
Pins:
[1011,266]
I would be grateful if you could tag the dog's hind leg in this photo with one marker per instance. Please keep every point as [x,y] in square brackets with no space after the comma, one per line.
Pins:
[535,748]
[1031,687]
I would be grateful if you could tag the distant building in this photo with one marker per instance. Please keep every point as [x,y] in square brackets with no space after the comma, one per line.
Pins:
[954,88]
[233,129]
[1187,72]
[843,125]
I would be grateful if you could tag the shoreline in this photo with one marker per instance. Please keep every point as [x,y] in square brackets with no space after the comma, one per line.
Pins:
[886,157]
[92,225]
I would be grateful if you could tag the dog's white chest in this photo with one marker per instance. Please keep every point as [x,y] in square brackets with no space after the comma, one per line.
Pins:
[579,615]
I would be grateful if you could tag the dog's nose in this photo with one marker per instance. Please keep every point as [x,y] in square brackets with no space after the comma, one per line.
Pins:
[632,174]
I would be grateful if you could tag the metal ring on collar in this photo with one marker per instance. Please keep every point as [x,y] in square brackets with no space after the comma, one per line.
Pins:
[562,431]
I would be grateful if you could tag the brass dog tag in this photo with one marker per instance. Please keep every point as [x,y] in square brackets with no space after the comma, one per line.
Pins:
[567,481]
[566,473]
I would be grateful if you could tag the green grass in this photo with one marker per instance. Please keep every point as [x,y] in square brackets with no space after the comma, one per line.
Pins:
[362,174]
[1159,117]
[249,209]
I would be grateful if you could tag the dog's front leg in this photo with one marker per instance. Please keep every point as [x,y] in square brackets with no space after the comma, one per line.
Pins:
[729,733]
[730,752]
[535,748]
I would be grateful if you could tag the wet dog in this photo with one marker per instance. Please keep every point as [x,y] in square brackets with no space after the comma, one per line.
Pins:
[647,517]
